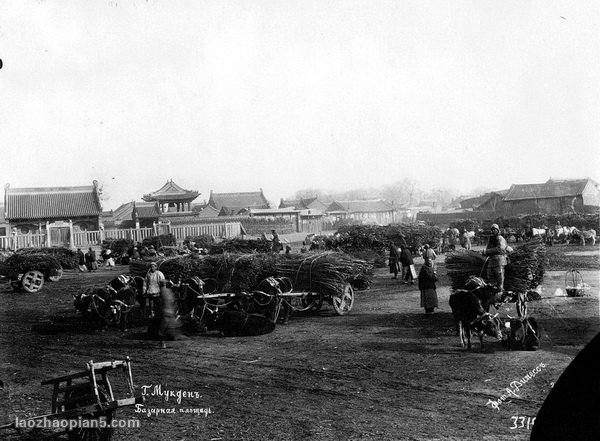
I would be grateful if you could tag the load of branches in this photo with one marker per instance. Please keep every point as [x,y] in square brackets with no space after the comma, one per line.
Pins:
[325,272]
[140,267]
[20,263]
[159,241]
[524,272]
[370,242]
[67,257]
[240,246]
[202,241]
[119,247]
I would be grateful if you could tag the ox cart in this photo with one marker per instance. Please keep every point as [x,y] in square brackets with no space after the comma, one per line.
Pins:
[84,403]
[272,295]
[28,272]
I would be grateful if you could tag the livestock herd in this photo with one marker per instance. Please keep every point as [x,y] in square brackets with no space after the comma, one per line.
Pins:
[452,236]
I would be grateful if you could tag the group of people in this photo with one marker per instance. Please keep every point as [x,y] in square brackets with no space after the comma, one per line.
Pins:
[401,259]
[87,262]
[277,243]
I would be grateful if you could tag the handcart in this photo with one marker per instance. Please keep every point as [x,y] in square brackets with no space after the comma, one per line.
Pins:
[89,397]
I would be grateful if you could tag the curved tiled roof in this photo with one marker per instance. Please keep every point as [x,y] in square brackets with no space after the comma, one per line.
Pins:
[170,192]
[238,201]
[52,203]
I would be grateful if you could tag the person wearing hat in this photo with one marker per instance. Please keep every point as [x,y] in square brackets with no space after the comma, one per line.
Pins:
[496,251]
[154,280]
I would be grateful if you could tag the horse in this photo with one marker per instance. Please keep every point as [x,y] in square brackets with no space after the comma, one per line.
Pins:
[584,235]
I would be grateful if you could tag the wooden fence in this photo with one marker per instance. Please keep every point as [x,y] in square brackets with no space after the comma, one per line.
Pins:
[82,239]
[22,241]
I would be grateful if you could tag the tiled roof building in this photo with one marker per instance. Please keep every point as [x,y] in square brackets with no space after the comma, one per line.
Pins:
[555,196]
[375,210]
[230,204]
[29,209]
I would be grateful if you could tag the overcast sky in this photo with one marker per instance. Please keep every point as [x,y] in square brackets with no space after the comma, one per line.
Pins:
[285,95]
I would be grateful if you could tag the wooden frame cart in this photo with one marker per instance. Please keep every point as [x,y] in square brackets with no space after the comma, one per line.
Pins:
[89,396]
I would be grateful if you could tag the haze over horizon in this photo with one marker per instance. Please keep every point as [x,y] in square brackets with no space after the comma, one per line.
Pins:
[340,95]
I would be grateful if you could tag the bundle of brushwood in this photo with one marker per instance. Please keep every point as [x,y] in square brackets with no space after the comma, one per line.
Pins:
[240,246]
[67,257]
[327,272]
[19,263]
[140,267]
[524,272]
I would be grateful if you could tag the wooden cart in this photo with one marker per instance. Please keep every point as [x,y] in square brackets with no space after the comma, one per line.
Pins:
[88,395]
[272,289]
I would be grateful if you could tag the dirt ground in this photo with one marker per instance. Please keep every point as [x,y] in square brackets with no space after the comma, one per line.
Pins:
[387,371]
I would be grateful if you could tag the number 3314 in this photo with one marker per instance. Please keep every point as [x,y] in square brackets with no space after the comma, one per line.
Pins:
[521,422]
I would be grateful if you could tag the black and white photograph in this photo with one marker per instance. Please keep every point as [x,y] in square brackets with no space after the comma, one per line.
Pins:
[299,220]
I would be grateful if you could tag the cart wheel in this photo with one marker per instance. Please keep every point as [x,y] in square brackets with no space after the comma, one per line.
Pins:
[57,275]
[90,433]
[32,281]
[342,303]
[312,302]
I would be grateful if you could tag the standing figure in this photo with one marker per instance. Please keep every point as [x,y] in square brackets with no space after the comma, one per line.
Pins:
[154,279]
[169,328]
[90,260]
[394,260]
[427,279]
[277,245]
[496,253]
[429,255]
[465,241]
[81,261]
[109,261]
[407,265]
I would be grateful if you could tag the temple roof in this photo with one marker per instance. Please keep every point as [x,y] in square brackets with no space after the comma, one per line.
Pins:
[234,202]
[171,192]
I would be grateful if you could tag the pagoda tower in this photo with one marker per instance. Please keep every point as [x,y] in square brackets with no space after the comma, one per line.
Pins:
[172,195]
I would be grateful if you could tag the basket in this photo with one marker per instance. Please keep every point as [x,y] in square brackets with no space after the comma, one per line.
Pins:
[574,284]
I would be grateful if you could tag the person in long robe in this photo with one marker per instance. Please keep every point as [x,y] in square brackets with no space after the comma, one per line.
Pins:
[394,260]
[427,279]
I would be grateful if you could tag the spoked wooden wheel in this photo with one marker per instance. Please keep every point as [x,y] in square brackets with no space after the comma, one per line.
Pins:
[32,281]
[85,398]
[57,275]
[342,302]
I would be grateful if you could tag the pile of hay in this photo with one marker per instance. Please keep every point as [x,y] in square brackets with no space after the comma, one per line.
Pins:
[524,272]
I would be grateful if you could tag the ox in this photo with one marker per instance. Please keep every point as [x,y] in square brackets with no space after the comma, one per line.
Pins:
[241,323]
[470,316]
[487,294]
